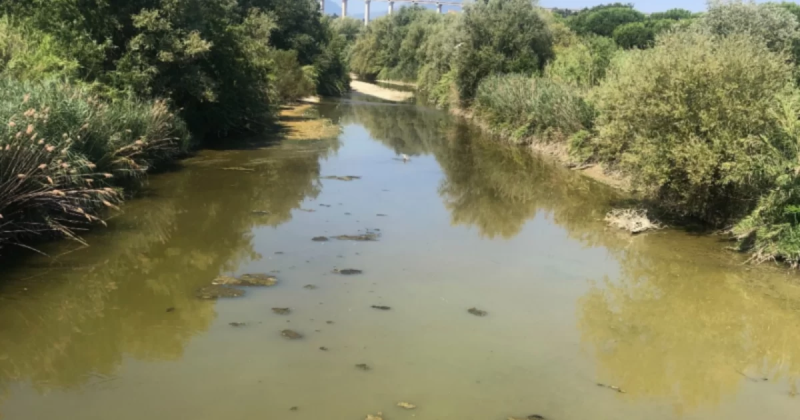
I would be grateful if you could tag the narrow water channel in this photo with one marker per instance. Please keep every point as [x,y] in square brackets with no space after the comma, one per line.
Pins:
[670,323]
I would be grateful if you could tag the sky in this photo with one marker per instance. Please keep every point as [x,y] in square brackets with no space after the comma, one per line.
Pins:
[355,8]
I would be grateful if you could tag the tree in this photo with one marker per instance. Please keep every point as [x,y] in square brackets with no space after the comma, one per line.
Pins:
[634,35]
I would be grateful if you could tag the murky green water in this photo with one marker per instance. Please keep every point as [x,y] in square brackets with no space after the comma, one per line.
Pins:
[672,319]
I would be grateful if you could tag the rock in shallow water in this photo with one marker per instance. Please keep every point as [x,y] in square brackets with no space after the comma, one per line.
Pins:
[218,291]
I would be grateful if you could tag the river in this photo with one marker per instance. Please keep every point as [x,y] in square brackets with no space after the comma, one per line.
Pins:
[672,324]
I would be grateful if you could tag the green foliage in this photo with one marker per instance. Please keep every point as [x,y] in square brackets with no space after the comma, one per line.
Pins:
[29,54]
[332,72]
[61,148]
[291,81]
[669,117]
[500,36]
[436,78]
[770,23]
[390,47]
[672,14]
[531,106]
[584,63]
[603,20]
[634,35]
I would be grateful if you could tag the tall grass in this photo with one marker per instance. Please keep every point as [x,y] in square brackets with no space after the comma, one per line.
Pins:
[529,106]
[63,152]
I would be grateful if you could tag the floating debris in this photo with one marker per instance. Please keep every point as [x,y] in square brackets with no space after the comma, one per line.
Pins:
[291,334]
[323,348]
[347,271]
[369,236]
[237,324]
[320,239]
[238,168]
[259,279]
[216,291]
[309,287]
[342,178]
[261,212]
[383,308]
[281,311]
[477,312]
[633,220]
[363,366]
[171,309]
[612,387]
[406,405]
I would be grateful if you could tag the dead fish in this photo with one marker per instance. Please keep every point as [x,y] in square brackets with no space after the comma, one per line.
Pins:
[309,287]
[261,212]
[278,253]
[406,405]
[320,239]
[323,348]
[291,334]
[308,210]
[237,324]
[362,237]
[381,215]
[363,366]
[347,271]
[171,309]
[329,322]
[293,408]
[324,205]
[477,312]
[342,178]
[383,308]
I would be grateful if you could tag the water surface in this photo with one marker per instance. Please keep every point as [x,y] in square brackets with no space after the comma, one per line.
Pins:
[676,321]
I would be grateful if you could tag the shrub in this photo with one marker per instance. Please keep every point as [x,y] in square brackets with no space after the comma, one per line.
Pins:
[583,64]
[291,81]
[436,77]
[500,36]
[672,14]
[634,35]
[603,21]
[62,148]
[694,121]
[531,106]
[770,23]
[29,54]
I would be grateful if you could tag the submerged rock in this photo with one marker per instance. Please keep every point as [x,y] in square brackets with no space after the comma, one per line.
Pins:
[633,220]
[291,334]
[342,178]
[363,366]
[383,308]
[218,291]
[365,237]
[347,271]
[320,239]
[281,311]
[477,312]
[260,279]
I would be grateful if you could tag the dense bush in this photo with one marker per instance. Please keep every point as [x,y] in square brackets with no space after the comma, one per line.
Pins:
[529,106]
[634,35]
[584,63]
[500,36]
[672,14]
[696,122]
[603,21]
[768,22]
[436,78]
[29,54]
[61,148]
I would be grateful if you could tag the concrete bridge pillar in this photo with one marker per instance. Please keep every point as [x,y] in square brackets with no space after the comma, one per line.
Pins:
[439,8]
[366,12]
[322,6]
[391,7]
[344,8]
